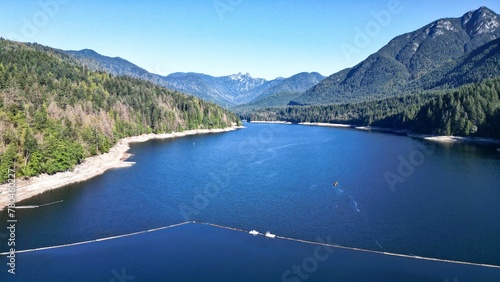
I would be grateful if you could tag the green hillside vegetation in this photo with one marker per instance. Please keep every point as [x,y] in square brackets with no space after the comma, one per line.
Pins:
[481,63]
[417,61]
[377,77]
[275,100]
[54,112]
[295,84]
[471,110]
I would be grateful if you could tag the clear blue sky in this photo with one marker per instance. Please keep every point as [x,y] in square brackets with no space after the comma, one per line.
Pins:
[220,37]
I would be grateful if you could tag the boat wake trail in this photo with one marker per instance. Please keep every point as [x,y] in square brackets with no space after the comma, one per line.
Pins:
[355,203]
[351,198]
[285,146]
[273,153]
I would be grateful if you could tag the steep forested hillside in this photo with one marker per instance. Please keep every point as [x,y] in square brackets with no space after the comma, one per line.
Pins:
[477,65]
[54,112]
[397,67]
[470,110]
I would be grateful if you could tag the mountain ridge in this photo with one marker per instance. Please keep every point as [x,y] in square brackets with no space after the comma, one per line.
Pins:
[406,58]
[227,91]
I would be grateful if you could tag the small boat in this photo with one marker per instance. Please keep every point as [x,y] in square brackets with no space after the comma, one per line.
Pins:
[270,235]
[254,232]
[336,183]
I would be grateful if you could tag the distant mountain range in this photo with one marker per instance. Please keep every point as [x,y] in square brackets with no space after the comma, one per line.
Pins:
[282,93]
[227,91]
[415,61]
[446,53]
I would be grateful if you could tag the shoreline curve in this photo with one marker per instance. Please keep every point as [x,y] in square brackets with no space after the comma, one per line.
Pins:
[434,138]
[91,166]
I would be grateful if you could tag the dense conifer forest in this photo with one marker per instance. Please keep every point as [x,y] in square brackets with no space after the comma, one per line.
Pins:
[54,112]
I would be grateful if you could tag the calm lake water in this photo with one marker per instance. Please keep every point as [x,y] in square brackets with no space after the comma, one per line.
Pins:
[198,252]
[394,194]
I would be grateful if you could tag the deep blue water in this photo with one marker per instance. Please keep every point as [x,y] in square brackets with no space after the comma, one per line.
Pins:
[198,252]
[279,178]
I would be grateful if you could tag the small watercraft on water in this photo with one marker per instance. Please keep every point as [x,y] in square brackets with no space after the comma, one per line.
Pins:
[254,232]
[336,183]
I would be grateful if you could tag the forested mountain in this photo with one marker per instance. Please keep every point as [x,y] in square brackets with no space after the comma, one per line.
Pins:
[470,110]
[479,64]
[54,111]
[397,68]
[116,66]
[441,79]
[296,83]
[238,89]
[441,108]
[226,91]
[276,100]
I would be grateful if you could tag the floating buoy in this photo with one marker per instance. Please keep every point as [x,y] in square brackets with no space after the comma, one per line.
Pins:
[270,235]
[38,206]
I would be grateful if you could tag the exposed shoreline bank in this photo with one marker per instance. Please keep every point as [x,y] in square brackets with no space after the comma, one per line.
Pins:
[264,121]
[442,138]
[435,138]
[459,139]
[91,167]
[328,124]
